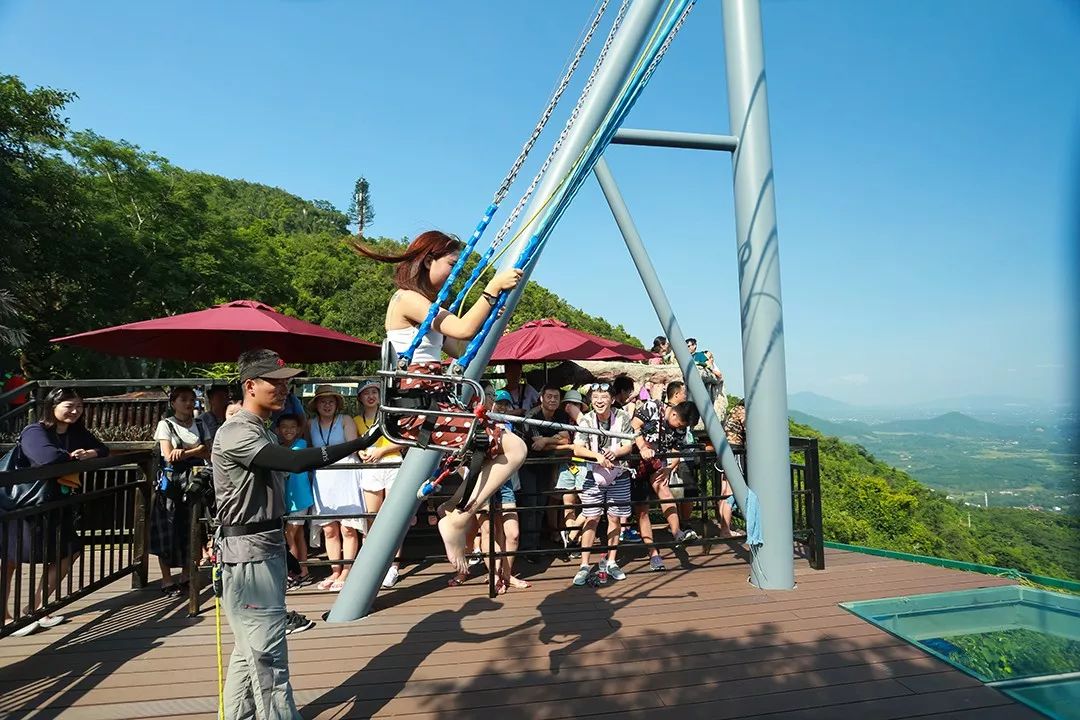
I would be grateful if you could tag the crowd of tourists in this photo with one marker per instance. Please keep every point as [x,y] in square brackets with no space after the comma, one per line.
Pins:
[562,465]
[569,485]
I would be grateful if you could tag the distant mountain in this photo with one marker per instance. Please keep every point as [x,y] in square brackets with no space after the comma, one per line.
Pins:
[821,406]
[953,423]
[980,403]
[844,428]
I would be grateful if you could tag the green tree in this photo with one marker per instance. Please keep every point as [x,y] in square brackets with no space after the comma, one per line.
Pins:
[361,209]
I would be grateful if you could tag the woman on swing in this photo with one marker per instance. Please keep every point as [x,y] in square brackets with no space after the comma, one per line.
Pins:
[421,270]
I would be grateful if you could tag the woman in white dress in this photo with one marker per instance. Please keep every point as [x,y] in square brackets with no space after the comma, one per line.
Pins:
[337,490]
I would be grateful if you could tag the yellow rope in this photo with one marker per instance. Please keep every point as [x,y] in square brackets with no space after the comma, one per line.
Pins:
[220,673]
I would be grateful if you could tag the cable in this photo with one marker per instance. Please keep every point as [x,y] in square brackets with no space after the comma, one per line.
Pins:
[668,26]
[444,292]
[486,261]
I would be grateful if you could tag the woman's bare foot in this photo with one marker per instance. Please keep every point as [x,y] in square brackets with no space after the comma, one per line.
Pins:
[452,527]
[519,584]
[730,533]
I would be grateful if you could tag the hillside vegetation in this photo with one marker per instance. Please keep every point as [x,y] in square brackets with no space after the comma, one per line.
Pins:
[867,502]
[1019,465]
[101,232]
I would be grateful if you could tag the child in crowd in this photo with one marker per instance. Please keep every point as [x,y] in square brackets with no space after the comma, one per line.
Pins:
[299,499]
[508,532]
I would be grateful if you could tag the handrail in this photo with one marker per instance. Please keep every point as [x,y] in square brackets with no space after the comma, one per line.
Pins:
[193,381]
[809,495]
[55,470]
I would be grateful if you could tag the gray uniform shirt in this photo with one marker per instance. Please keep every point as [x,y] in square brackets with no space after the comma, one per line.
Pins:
[245,494]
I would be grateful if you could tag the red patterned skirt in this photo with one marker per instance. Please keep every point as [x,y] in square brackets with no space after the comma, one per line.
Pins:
[449,432]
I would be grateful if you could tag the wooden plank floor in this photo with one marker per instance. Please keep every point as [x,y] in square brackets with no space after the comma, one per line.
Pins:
[696,642]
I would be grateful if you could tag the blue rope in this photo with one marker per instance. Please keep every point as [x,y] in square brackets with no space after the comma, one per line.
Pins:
[580,174]
[474,345]
[459,301]
[444,291]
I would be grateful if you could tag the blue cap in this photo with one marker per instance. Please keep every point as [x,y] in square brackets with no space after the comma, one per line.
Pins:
[503,396]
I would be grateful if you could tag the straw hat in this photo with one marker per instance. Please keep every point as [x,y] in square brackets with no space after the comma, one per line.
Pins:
[326,391]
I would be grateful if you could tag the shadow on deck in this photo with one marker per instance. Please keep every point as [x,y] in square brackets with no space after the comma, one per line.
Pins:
[695,642]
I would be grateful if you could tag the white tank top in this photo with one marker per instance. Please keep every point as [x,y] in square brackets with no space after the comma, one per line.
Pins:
[429,349]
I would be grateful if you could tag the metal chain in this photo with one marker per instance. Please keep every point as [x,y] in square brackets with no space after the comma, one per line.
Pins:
[552,103]
[512,218]
[647,75]
[667,42]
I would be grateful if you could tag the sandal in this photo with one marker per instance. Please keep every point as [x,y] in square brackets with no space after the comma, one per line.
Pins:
[458,580]
[337,586]
[519,584]
[326,584]
[500,586]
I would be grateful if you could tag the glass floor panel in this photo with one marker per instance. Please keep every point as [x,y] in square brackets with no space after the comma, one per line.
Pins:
[1025,642]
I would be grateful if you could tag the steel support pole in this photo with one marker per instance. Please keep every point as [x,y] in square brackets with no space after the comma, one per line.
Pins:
[671,139]
[388,531]
[664,313]
[764,375]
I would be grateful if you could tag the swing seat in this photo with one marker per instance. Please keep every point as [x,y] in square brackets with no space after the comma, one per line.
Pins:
[397,404]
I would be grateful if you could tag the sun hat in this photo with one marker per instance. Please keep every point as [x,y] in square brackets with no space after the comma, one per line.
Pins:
[573,396]
[503,396]
[326,391]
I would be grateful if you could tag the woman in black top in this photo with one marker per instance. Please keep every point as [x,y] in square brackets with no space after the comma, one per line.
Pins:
[59,437]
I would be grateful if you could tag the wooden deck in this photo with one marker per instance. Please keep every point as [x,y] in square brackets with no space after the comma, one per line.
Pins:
[697,642]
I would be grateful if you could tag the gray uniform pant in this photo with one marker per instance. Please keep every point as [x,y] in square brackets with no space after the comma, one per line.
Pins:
[253,598]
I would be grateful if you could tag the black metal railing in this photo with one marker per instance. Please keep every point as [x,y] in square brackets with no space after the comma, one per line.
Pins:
[806,515]
[59,551]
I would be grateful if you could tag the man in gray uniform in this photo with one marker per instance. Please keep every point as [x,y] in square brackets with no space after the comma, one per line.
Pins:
[250,468]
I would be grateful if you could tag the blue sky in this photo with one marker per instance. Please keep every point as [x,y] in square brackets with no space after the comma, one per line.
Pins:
[927,157]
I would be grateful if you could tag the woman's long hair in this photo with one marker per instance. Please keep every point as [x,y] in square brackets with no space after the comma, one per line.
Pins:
[657,342]
[412,270]
[54,398]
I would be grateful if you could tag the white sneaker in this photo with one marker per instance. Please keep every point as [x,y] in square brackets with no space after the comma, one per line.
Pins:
[27,629]
[50,621]
[391,577]
[615,572]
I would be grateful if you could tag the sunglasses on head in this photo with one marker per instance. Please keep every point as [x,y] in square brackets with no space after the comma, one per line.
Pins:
[600,386]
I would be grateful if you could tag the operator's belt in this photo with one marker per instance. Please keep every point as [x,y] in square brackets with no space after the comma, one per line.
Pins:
[251,528]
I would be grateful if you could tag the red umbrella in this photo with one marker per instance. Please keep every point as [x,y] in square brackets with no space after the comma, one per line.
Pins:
[551,339]
[222,333]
